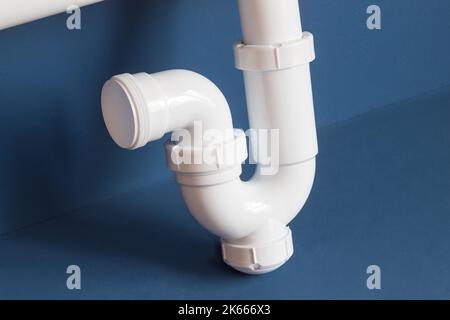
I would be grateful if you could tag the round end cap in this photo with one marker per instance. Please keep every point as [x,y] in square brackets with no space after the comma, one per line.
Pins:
[258,258]
[124,112]
[119,114]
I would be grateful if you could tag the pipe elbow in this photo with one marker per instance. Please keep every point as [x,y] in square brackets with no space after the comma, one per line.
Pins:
[141,108]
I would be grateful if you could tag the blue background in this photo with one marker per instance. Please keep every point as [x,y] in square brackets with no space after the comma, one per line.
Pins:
[69,195]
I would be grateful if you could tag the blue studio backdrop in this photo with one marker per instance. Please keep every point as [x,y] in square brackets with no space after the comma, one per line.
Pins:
[56,157]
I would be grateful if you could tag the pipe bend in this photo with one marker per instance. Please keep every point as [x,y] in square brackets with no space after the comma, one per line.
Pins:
[141,108]
[236,209]
[190,97]
[250,217]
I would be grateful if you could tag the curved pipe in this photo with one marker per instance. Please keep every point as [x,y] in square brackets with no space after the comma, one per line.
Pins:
[142,108]
[236,209]
[250,217]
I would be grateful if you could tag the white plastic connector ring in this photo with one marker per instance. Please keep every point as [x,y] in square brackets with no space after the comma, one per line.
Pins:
[275,57]
[259,258]
[208,157]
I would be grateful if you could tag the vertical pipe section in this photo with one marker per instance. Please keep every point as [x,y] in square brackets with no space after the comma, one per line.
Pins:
[279,99]
[265,22]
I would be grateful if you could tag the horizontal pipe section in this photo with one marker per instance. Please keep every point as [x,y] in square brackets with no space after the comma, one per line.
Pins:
[16,12]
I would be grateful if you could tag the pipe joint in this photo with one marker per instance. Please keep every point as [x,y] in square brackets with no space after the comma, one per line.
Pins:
[207,163]
[263,251]
[141,108]
[275,56]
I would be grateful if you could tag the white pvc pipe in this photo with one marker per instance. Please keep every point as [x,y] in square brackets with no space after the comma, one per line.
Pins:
[287,102]
[250,217]
[141,108]
[280,99]
[236,209]
[265,22]
[15,12]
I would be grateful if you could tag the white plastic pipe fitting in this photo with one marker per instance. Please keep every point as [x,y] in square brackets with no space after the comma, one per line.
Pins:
[250,217]
[142,108]
[15,12]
